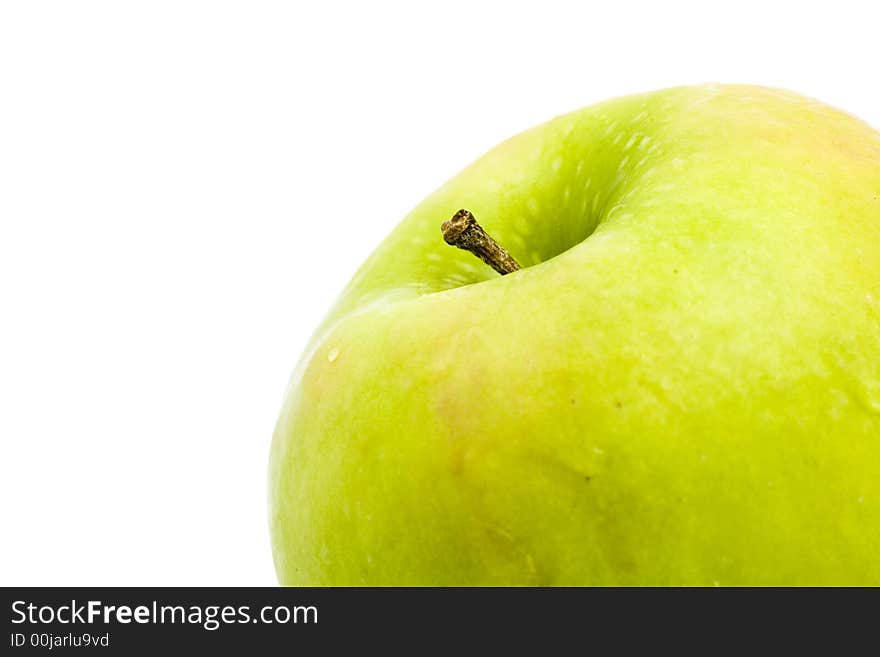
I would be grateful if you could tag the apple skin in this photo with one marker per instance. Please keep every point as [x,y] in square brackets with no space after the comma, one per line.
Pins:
[680,387]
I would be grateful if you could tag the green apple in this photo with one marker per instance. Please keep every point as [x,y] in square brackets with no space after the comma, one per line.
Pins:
[680,386]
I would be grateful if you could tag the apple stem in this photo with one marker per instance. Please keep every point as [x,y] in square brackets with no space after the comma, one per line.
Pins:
[464,232]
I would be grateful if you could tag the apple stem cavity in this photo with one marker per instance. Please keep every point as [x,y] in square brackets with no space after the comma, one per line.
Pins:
[464,232]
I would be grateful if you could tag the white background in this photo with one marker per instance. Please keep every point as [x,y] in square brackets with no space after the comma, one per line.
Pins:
[169,174]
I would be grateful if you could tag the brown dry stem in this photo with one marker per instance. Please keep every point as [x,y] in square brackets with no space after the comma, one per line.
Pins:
[464,232]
